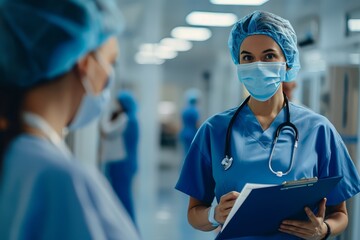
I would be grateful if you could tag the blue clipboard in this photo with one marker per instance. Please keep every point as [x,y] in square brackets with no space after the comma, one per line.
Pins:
[264,209]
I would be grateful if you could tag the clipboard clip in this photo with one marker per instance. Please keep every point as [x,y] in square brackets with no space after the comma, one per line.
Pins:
[299,183]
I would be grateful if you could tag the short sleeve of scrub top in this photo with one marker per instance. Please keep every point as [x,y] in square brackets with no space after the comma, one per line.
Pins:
[196,177]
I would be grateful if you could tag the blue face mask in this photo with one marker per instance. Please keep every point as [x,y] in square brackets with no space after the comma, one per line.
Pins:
[92,105]
[262,79]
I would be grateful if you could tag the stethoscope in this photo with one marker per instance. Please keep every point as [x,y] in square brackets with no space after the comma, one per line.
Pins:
[228,160]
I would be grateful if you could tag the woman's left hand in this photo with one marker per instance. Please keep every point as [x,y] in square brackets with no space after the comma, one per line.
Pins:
[313,229]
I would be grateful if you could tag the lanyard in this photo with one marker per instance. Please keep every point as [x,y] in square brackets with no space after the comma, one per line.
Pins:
[35,121]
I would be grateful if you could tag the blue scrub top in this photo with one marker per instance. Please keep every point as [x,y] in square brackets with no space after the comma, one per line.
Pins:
[321,153]
[45,195]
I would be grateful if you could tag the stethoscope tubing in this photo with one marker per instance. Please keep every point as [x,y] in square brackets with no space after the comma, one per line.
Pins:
[227,161]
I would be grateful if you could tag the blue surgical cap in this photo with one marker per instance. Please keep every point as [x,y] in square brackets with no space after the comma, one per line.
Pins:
[43,39]
[127,101]
[265,23]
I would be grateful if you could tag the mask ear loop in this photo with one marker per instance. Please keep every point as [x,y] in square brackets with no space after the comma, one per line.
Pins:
[87,86]
[85,82]
[109,69]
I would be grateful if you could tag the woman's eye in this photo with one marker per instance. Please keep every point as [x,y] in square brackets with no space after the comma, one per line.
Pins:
[270,56]
[247,58]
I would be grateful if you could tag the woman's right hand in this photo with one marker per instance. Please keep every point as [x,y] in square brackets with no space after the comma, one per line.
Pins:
[225,205]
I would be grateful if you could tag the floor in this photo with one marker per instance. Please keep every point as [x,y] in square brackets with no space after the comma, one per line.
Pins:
[160,209]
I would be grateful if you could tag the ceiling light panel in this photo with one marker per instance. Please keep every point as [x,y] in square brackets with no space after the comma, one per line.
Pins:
[191,33]
[142,58]
[211,19]
[179,45]
[239,2]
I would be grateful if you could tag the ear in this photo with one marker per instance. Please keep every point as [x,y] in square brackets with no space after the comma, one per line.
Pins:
[82,65]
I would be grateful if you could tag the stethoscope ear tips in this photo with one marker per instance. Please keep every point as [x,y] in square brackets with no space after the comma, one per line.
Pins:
[227,162]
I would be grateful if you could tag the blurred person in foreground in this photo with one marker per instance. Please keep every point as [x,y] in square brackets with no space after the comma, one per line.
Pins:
[56,70]
[119,148]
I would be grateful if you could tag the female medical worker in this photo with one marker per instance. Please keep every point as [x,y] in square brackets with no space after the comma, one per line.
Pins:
[55,71]
[120,138]
[263,46]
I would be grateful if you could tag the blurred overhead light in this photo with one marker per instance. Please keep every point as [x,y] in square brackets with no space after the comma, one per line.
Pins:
[153,50]
[179,45]
[191,33]
[145,58]
[354,25]
[166,54]
[211,19]
[239,2]
[148,47]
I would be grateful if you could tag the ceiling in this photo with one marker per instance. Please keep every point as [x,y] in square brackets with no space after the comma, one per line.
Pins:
[172,13]
[149,21]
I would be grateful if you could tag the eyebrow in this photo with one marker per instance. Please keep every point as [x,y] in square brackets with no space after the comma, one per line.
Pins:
[265,51]
[269,50]
[245,52]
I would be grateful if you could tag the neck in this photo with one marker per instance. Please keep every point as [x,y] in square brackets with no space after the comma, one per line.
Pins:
[269,107]
[266,111]
[51,102]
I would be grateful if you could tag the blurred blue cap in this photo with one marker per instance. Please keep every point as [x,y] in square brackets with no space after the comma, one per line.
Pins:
[265,23]
[42,39]
[192,95]
[127,101]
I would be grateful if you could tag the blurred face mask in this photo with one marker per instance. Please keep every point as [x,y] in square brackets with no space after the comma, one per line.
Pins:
[262,79]
[92,105]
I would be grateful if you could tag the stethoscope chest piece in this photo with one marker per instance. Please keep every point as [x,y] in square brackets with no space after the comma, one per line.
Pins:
[227,162]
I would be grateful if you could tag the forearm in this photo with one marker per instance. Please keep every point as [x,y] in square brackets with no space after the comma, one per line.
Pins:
[337,221]
[198,212]
[198,218]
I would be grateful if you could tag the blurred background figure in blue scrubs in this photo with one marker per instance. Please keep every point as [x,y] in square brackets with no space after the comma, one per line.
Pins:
[120,136]
[190,117]
[56,71]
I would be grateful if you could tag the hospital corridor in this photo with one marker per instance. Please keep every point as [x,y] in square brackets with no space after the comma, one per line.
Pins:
[162,208]
[179,120]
